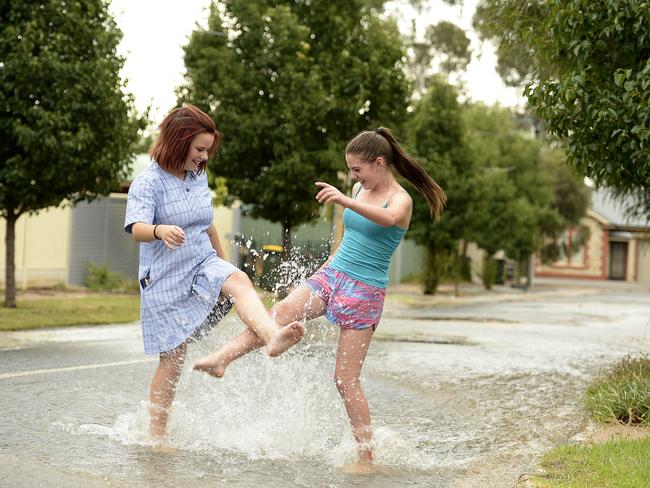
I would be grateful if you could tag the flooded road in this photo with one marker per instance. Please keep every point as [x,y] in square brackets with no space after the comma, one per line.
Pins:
[465,395]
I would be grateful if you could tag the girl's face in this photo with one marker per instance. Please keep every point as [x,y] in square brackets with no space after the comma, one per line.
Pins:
[198,152]
[368,174]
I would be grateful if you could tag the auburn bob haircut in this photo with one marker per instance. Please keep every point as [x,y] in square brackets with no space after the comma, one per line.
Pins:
[177,130]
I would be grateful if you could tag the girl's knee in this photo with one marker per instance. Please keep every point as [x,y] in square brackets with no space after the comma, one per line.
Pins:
[237,280]
[241,277]
[281,313]
[345,385]
[174,358]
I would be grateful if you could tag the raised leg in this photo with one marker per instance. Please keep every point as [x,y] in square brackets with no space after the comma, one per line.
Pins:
[163,390]
[254,314]
[353,346]
[300,305]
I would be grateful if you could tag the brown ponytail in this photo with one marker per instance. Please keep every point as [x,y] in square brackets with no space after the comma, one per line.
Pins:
[370,145]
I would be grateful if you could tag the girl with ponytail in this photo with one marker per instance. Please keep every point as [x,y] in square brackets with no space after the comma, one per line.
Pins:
[350,286]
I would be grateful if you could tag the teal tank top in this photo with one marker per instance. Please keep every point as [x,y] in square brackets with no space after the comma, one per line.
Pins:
[366,248]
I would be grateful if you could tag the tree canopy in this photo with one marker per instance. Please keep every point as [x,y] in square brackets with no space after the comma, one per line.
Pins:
[506,189]
[451,43]
[436,136]
[587,65]
[66,128]
[516,193]
[446,44]
[288,83]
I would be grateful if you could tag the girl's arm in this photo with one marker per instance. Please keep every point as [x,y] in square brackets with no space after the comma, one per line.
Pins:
[400,205]
[214,240]
[171,235]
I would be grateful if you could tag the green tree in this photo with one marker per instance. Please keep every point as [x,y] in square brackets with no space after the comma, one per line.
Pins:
[514,26]
[589,80]
[444,42]
[436,136]
[66,128]
[509,222]
[288,84]
[451,44]
[145,142]
[514,192]
[571,200]
[530,195]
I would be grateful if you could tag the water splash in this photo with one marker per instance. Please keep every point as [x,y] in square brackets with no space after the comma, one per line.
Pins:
[284,408]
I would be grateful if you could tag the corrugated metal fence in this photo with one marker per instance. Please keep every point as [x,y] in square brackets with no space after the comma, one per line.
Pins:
[98,236]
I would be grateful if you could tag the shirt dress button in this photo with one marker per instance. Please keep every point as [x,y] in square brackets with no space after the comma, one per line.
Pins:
[187,189]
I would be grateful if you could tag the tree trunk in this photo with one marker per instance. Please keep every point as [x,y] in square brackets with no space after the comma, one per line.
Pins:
[431,272]
[456,263]
[286,241]
[10,260]
[518,270]
[465,245]
[530,271]
[285,279]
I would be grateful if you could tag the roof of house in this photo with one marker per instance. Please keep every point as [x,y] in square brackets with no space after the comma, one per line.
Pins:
[604,203]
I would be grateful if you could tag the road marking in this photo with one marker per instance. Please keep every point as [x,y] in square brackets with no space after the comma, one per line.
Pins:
[17,374]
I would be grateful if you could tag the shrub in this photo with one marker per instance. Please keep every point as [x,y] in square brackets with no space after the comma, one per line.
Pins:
[415,278]
[489,274]
[623,394]
[100,278]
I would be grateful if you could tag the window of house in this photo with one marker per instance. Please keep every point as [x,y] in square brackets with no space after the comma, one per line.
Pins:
[572,247]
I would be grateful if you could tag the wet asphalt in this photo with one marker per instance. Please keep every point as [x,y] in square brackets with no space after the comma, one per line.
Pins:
[463,394]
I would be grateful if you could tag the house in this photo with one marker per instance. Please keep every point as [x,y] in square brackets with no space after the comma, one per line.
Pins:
[618,247]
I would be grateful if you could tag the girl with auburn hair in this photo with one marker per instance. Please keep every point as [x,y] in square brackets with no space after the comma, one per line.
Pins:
[182,268]
[349,288]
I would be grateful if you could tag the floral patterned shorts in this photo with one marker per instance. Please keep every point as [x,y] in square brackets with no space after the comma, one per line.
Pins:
[351,304]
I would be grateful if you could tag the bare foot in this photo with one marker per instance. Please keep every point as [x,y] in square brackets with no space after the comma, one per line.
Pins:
[158,437]
[284,338]
[213,364]
[163,448]
[360,468]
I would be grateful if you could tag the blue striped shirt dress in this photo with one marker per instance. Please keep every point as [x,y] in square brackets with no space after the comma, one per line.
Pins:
[179,288]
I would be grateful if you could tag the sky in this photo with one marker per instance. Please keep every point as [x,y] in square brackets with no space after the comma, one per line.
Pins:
[155,32]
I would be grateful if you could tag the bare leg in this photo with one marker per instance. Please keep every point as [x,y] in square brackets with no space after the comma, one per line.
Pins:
[163,390]
[353,346]
[301,304]
[255,315]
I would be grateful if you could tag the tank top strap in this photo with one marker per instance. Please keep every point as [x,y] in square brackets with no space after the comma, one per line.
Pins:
[385,205]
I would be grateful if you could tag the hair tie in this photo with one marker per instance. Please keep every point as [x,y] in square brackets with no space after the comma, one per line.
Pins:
[376,131]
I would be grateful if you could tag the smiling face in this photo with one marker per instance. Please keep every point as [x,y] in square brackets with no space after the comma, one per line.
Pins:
[366,173]
[197,155]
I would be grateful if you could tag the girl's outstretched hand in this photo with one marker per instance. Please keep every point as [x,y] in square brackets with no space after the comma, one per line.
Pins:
[330,194]
[172,236]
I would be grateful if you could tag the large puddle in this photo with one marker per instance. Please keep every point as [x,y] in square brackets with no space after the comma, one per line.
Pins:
[465,397]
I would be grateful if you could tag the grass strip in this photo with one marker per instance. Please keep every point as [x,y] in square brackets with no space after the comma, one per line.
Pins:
[61,312]
[622,395]
[613,464]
